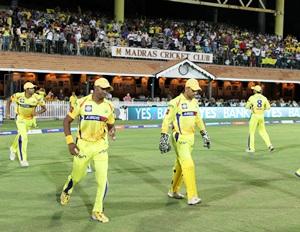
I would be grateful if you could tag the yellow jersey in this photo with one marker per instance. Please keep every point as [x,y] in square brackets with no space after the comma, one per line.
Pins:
[183,114]
[258,103]
[41,95]
[26,106]
[72,101]
[93,118]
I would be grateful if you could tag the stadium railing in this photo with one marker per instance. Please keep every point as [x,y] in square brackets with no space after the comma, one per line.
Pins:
[59,109]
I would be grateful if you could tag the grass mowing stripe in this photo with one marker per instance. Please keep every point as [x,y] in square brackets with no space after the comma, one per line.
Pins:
[240,192]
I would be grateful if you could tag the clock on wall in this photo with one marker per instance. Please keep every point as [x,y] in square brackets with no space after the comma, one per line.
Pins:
[183,69]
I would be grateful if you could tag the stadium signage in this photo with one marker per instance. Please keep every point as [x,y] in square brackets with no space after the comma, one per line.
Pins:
[157,113]
[146,53]
[1,112]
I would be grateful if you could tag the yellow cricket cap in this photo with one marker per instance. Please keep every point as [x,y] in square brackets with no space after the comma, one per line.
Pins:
[29,85]
[103,83]
[193,84]
[257,88]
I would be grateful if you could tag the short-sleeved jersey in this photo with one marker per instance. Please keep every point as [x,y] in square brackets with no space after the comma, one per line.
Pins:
[26,106]
[93,118]
[72,101]
[258,103]
[41,95]
[184,114]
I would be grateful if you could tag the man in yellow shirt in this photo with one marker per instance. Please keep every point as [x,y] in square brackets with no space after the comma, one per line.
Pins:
[26,103]
[73,100]
[183,114]
[96,122]
[258,103]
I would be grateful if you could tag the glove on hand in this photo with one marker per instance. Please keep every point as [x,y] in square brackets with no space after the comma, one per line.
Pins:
[206,139]
[164,144]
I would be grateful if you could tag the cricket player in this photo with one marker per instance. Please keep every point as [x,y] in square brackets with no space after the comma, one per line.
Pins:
[73,100]
[258,103]
[96,122]
[26,103]
[183,114]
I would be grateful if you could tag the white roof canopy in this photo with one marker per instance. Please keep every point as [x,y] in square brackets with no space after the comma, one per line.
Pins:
[186,69]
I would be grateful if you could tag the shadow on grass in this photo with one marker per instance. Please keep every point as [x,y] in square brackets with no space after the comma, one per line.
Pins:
[141,171]
[57,173]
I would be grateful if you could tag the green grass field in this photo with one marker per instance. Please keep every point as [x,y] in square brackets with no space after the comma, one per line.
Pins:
[240,192]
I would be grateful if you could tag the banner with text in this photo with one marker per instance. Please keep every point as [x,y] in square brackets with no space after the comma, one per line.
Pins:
[1,111]
[146,53]
[154,113]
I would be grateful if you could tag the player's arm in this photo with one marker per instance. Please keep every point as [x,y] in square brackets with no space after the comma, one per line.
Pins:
[111,124]
[42,110]
[7,109]
[200,124]
[249,104]
[169,117]
[267,105]
[42,104]
[73,149]
[164,142]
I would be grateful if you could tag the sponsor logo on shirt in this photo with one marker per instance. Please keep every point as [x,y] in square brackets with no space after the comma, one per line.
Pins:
[88,108]
[94,118]
[26,106]
[184,106]
[189,113]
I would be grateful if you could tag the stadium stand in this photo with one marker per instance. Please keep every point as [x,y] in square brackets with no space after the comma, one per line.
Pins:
[59,32]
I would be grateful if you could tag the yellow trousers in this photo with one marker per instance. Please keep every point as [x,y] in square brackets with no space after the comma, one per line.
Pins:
[90,151]
[19,145]
[184,168]
[257,121]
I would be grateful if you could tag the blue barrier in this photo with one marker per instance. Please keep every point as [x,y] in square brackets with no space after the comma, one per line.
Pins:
[1,112]
[157,113]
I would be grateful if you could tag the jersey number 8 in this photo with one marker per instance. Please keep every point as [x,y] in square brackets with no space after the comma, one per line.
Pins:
[259,103]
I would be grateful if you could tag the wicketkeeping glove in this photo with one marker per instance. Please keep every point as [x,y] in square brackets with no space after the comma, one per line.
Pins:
[164,144]
[206,139]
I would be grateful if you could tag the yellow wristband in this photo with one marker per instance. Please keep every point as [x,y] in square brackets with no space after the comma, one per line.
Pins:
[69,139]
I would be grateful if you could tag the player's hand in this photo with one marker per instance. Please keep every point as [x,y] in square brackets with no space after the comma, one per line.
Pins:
[206,139]
[164,144]
[112,133]
[73,149]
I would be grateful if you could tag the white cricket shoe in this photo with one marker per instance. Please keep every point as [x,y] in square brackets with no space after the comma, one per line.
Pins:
[271,148]
[24,163]
[249,150]
[89,169]
[194,201]
[175,195]
[12,154]
[297,173]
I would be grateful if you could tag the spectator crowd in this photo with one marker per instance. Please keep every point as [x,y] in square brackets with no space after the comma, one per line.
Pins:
[90,33]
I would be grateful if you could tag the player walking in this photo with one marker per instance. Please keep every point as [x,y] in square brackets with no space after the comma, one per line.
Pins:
[258,103]
[26,103]
[96,122]
[183,113]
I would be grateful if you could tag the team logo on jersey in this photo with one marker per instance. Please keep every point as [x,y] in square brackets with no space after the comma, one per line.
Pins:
[88,108]
[22,100]
[184,106]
